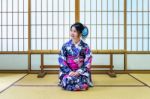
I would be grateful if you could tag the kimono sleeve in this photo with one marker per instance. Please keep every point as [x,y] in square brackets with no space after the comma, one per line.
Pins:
[62,61]
[86,67]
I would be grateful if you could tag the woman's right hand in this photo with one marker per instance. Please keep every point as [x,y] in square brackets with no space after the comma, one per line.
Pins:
[72,73]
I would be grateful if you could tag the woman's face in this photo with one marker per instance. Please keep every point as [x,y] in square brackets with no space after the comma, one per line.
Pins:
[74,33]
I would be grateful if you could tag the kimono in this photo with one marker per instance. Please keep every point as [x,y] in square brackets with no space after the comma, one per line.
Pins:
[77,58]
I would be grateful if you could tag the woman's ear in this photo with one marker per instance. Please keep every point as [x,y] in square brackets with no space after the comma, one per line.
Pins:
[79,34]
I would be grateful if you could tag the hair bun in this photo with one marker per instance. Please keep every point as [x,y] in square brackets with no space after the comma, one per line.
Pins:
[85,32]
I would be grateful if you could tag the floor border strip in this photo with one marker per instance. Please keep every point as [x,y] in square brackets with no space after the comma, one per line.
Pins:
[139,80]
[13,83]
[94,85]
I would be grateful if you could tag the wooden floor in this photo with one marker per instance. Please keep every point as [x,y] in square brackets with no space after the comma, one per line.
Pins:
[28,86]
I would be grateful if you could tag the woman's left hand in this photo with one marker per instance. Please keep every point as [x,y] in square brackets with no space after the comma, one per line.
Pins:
[74,73]
[77,74]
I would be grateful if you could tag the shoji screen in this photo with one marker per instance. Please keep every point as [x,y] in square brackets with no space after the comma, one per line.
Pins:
[105,20]
[50,23]
[138,25]
[13,25]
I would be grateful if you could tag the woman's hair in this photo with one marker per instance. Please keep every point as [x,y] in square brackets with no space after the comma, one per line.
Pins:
[83,30]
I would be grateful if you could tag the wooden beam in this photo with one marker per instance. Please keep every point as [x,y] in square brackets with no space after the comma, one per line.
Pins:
[93,71]
[29,35]
[14,52]
[77,10]
[125,34]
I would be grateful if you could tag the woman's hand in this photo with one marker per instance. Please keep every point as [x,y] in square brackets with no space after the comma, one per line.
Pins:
[72,73]
[77,74]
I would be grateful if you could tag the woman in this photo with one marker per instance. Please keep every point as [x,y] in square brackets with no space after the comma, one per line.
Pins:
[75,61]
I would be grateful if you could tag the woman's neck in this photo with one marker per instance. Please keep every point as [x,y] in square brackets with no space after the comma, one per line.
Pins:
[75,41]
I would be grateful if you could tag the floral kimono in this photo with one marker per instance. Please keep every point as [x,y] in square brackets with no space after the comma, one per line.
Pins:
[77,58]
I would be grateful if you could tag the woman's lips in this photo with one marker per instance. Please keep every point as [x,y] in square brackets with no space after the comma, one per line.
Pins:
[72,35]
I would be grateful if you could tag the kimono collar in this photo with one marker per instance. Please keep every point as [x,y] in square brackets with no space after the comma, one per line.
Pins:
[79,43]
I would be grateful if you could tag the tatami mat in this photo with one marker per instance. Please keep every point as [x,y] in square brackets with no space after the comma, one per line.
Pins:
[98,79]
[143,77]
[121,79]
[31,79]
[124,86]
[20,92]
[7,79]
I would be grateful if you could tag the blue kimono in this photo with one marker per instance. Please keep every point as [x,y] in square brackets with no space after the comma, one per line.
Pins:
[77,58]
